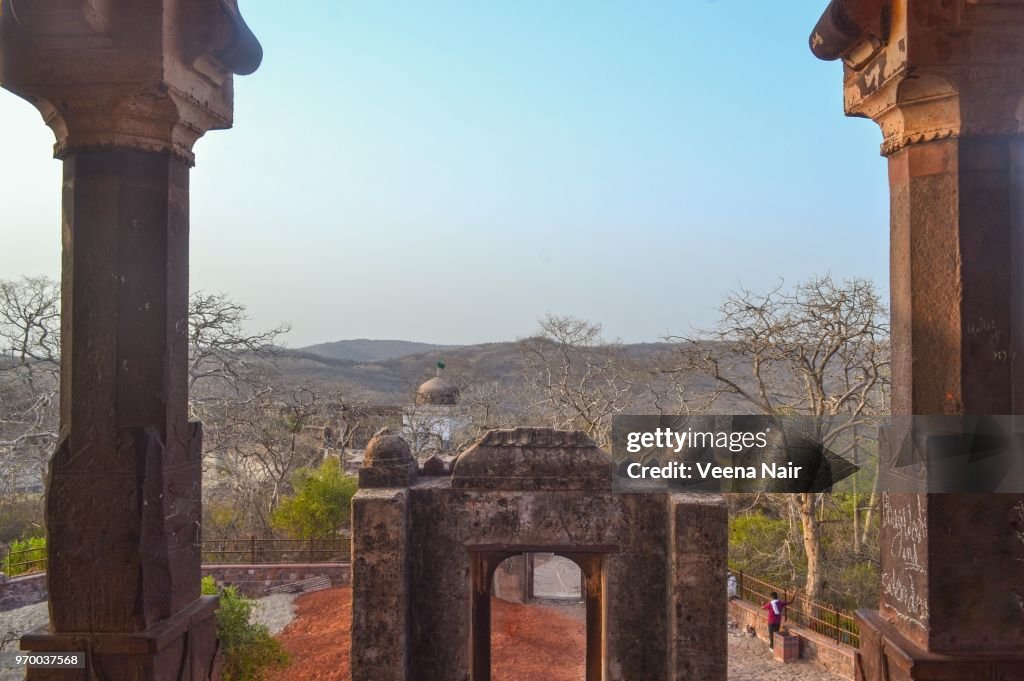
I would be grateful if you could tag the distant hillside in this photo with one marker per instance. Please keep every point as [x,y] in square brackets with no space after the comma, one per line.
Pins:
[394,380]
[366,350]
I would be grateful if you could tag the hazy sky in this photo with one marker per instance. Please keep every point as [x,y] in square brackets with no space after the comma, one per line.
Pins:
[451,171]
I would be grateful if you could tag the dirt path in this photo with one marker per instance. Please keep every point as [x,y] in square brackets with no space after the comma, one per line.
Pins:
[318,638]
[537,643]
[529,643]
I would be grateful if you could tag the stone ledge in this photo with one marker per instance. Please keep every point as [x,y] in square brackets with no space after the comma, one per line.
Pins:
[533,459]
[146,642]
[16,592]
[883,647]
[252,580]
[184,646]
[255,580]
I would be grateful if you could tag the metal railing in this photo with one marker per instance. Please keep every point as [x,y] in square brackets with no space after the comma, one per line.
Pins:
[822,618]
[255,550]
[24,561]
[219,551]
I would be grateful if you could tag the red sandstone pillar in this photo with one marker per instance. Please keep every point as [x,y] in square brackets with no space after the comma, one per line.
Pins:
[945,80]
[128,86]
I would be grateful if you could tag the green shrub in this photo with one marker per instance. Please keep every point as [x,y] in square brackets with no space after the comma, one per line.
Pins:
[321,503]
[249,649]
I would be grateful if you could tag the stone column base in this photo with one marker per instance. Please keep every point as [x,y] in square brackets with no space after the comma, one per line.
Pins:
[886,655]
[182,648]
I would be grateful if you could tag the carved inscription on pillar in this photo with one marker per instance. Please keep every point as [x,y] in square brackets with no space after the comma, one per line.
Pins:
[903,533]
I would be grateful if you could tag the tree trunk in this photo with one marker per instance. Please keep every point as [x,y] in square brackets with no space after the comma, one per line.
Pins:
[856,508]
[856,522]
[872,502]
[806,506]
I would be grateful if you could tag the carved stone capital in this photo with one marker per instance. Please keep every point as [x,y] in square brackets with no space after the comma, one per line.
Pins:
[153,75]
[925,70]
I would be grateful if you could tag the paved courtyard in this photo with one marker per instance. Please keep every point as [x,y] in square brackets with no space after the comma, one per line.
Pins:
[750,660]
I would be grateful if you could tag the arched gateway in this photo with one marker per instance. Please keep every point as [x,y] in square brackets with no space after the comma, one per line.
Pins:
[425,549]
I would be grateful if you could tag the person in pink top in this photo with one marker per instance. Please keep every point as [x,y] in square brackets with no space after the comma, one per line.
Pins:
[775,608]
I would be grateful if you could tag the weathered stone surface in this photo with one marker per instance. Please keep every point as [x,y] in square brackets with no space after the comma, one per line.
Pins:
[511,580]
[456,536]
[699,544]
[126,475]
[927,71]
[20,591]
[387,462]
[183,646]
[152,76]
[900,659]
[438,391]
[127,87]
[257,580]
[434,465]
[533,458]
[381,585]
[944,81]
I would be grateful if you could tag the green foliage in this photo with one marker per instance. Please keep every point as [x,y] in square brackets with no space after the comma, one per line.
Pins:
[766,544]
[320,505]
[855,586]
[209,586]
[756,543]
[21,554]
[249,649]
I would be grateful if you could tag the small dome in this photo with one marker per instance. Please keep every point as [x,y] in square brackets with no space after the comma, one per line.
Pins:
[438,391]
[386,449]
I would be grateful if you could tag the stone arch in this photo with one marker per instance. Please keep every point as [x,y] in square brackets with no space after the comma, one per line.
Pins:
[425,550]
[485,561]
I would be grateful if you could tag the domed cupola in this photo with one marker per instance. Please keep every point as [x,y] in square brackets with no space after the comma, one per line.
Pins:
[438,391]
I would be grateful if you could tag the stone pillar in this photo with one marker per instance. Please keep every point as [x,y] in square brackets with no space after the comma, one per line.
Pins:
[698,599]
[127,86]
[945,82]
[380,569]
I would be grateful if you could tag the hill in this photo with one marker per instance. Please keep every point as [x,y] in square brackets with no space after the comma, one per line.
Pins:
[366,350]
[394,379]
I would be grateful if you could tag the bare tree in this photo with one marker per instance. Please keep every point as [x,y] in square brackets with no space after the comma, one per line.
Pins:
[819,349]
[222,353]
[230,374]
[262,443]
[29,377]
[578,379]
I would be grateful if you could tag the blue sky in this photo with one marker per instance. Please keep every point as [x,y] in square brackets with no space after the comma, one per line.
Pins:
[452,171]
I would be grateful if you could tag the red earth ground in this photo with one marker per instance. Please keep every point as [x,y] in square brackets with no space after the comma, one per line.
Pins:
[528,642]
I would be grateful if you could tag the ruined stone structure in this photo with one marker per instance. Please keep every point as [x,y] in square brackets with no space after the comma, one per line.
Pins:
[944,81]
[425,551]
[127,87]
